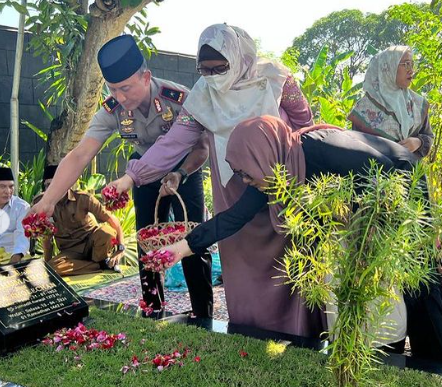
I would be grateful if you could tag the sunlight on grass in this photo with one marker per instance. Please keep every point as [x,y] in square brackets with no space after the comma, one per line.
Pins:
[161,325]
[274,349]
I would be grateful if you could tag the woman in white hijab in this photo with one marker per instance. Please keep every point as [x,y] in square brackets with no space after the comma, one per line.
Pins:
[235,86]
[389,108]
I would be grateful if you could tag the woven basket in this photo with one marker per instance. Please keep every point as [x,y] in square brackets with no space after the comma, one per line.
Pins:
[159,241]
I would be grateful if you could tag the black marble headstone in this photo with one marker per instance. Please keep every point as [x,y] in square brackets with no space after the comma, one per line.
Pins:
[35,301]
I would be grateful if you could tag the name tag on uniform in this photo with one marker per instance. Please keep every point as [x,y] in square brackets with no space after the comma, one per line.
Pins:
[128,136]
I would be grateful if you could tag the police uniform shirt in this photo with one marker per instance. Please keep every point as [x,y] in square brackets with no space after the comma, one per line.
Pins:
[166,99]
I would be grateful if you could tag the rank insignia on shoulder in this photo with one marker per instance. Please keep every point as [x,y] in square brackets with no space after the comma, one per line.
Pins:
[172,94]
[157,104]
[110,104]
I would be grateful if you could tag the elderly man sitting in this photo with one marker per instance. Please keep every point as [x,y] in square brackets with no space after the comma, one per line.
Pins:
[89,238]
[13,243]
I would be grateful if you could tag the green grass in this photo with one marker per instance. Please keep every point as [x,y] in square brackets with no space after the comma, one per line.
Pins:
[267,364]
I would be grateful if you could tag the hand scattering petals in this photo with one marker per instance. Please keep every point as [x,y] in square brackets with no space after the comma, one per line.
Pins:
[112,200]
[157,260]
[38,225]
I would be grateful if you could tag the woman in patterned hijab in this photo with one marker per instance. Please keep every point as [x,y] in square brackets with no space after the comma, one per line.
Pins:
[389,108]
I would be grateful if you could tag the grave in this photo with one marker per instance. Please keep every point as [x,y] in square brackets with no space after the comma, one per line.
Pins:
[35,301]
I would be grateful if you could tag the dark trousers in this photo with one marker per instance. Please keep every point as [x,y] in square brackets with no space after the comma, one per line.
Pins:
[424,320]
[197,269]
[334,151]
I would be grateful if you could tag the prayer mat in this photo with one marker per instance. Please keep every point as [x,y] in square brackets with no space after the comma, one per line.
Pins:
[128,291]
[87,282]
[5,257]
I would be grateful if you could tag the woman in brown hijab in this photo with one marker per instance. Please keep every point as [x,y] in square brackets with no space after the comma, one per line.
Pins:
[255,147]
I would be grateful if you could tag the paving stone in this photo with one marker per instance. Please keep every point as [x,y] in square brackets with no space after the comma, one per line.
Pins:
[187,64]
[27,141]
[185,79]
[3,63]
[30,65]
[35,115]
[164,61]
[157,73]
[5,88]
[4,115]
[8,38]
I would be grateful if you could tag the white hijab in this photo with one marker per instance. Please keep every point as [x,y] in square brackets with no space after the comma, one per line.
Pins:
[380,84]
[250,88]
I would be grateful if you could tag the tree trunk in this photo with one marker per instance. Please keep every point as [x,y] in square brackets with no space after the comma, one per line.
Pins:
[69,128]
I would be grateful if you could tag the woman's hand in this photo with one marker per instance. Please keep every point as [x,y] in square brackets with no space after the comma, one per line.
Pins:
[411,143]
[171,181]
[180,250]
[123,184]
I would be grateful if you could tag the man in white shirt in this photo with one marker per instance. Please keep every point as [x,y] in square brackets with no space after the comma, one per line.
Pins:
[13,242]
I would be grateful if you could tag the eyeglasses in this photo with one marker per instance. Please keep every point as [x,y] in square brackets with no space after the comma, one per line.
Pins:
[219,70]
[408,65]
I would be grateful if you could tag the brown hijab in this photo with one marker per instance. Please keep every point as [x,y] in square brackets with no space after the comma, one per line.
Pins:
[256,145]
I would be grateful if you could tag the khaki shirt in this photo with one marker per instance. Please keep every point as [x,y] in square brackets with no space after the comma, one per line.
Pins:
[74,221]
[166,99]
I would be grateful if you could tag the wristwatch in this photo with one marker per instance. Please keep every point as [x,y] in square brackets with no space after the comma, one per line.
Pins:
[184,175]
[121,247]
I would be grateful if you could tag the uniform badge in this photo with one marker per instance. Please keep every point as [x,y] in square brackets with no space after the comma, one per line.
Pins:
[172,94]
[157,104]
[127,129]
[167,115]
[166,127]
[126,122]
[110,104]
[130,113]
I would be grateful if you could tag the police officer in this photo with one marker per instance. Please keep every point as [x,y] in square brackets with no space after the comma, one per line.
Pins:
[142,108]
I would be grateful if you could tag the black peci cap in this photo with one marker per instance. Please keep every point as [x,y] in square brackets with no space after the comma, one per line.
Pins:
[120,58]
[6,173]
[49,172]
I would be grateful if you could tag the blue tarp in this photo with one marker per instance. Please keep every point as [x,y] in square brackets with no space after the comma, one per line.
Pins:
[175,281]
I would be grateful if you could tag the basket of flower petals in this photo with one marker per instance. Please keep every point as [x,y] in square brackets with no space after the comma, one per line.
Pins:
[37,226]
[158,235]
